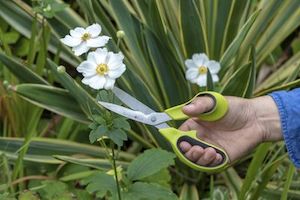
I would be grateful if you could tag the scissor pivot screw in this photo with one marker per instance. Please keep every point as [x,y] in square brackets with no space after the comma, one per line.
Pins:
[153,119]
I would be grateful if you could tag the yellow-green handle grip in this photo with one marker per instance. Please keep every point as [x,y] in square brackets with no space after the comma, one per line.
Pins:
[219,110]
[175,136]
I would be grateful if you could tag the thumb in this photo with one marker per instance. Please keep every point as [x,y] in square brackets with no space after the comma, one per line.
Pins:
[198,106]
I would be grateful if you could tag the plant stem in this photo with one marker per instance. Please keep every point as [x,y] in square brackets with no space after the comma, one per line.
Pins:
[115,170]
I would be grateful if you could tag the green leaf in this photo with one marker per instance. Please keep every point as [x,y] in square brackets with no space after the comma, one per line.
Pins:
[121,123]
[191,28]
[151,191]
[97,133]
[101,184]
[28,195]
[232,50]
[241,83]
[54,99]
[118,136]
[43,149]
[189,192]
[209,82]
[149,163]
[162,178]
[55,190]
[23,73]
[95,163]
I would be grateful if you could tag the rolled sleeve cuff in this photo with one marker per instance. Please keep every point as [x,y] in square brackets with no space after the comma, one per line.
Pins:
[288,104]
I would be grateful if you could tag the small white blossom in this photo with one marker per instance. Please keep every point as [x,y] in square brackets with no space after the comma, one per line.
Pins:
[102,68]
[81,40]
[197,69]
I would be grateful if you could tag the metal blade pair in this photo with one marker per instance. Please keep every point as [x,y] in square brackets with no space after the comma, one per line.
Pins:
[138,112]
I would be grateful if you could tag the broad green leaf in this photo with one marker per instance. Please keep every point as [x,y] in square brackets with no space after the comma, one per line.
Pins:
[28,195]
[97,133]
[118,136]
[23,73]
[121,123]
[55,190]
[149,163]
[141,191]
[162,178]
[51,98]
[101,184]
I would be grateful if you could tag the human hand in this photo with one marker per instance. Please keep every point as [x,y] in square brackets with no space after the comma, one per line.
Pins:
[246,124]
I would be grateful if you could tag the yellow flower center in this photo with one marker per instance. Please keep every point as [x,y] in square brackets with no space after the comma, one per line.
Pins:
[102,69]
[86,36]
[202,70]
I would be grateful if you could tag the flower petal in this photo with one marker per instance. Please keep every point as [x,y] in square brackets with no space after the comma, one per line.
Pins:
[94,30]
[87,68]
[192,74]
[213,66]
[77,32]
[201,81]
[96,82]
[71,41]
[109,84]
[199,59]
[117,72]
[98,41]
[190,64]
[97,57]
[80,49]
[115,60]
[215,78]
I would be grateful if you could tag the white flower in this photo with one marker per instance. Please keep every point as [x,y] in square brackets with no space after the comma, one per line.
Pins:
[81,40]
[102,68]
[197,69]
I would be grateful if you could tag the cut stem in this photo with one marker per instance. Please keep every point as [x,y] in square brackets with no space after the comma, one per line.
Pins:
[115,170]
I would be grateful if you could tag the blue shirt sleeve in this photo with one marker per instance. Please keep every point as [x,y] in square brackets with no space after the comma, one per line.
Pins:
[288,104]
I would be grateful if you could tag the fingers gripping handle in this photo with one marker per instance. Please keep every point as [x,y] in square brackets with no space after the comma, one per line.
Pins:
[219,110]
[176,136]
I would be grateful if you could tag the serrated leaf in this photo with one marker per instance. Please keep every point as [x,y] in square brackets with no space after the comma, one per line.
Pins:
[162,178]
[121,123]
[117,136]
[101,184]
[54,190]
[97,133]
[149,163]
[28,195]
[148,191]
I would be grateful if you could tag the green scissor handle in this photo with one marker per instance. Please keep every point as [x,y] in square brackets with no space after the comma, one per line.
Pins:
[175,136]
[218,111]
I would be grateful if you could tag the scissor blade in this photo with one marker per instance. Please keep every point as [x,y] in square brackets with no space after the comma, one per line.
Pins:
[155,119]
[131,102]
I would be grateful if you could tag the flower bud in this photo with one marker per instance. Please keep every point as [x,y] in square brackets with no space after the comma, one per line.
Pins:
[120,34]
[61,69]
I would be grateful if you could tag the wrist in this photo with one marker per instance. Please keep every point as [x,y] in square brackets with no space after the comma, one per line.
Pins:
[267,117]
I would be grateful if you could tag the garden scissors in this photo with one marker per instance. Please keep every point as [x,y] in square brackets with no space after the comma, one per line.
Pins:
[142,113]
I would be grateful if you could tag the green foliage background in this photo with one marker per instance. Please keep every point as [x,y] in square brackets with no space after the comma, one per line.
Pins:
[44,113]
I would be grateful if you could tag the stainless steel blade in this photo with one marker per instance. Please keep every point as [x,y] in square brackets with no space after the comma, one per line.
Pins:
[154,119]
[132,102]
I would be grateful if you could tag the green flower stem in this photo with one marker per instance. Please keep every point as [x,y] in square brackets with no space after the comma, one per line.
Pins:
[115,170]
